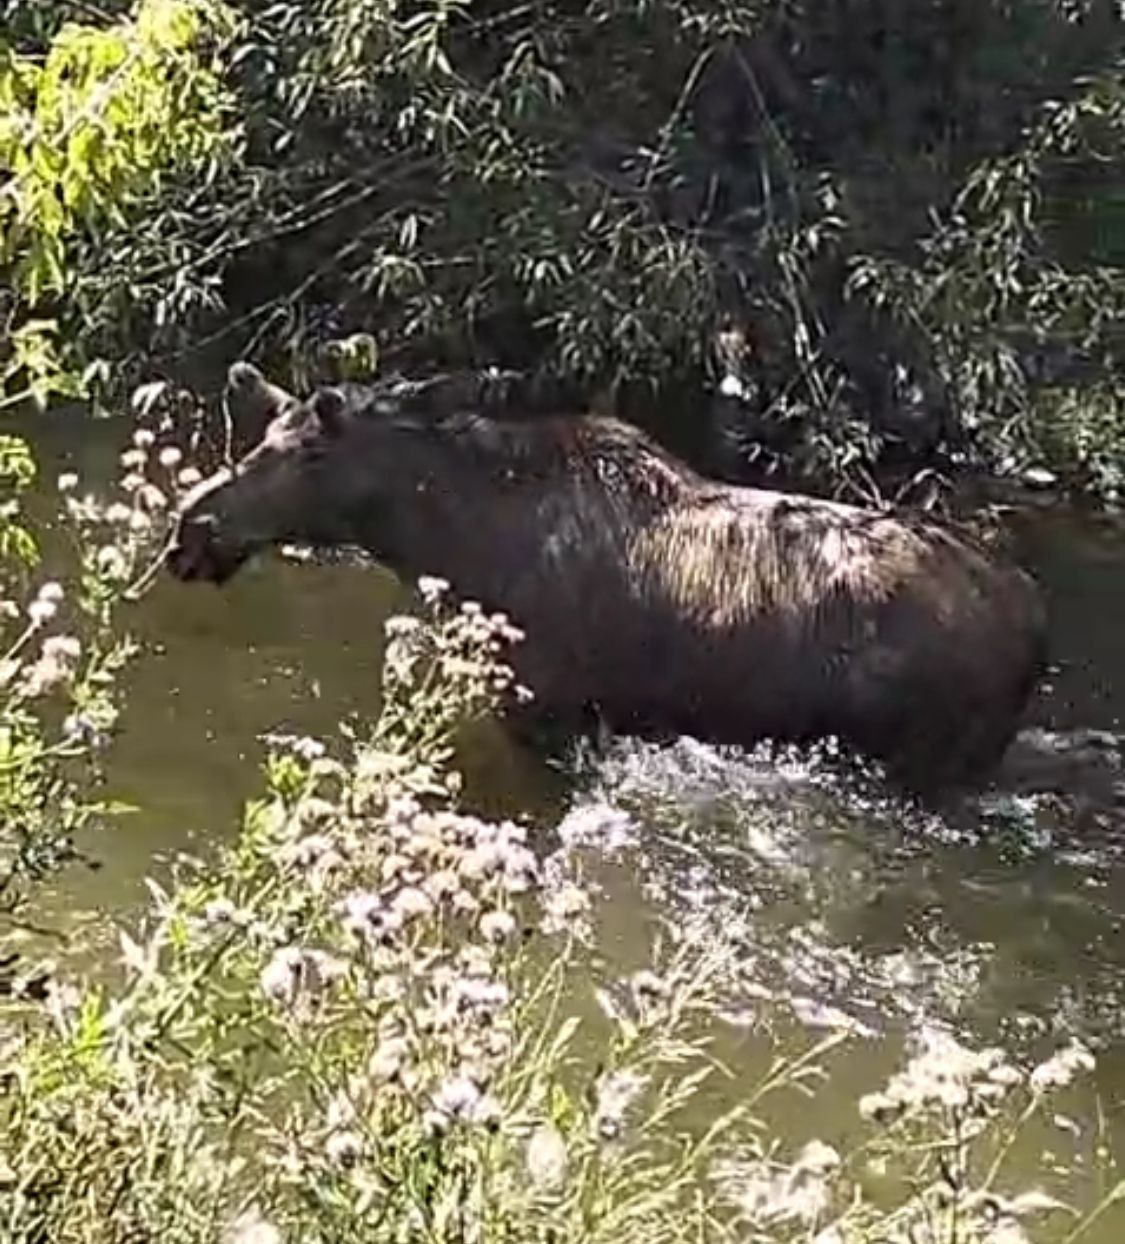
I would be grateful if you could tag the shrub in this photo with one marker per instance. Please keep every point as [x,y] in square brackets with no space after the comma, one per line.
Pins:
[93,118]
[62,652]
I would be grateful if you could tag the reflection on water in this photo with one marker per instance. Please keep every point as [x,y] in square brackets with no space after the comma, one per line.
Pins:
[1002,916]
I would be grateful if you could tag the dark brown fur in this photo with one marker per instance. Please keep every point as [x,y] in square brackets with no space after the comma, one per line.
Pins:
[667,602]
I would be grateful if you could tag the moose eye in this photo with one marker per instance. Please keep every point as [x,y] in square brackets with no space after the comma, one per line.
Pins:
[313,444]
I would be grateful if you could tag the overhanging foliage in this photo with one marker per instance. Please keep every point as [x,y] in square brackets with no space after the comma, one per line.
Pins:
[905,212]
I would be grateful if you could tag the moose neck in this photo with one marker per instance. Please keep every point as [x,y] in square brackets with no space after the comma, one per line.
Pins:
[539,502]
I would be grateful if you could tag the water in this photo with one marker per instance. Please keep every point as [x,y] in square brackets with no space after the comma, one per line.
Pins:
[1002,917]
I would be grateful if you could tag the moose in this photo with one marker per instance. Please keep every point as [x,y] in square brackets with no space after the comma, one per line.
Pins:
[654,600]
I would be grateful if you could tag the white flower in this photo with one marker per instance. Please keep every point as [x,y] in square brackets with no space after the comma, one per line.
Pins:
[170,457]
[67,482]
[504,630]
[465,903]
[316,811]
[460,1098]
[144,438]
[457,1097]
[434,1123]
[118,514]
[399,627]
[830,1235]
[362,908]
[45,605]
[344,1148]
[307,749]
[546,1158]
[62,1004]
[281,977]
[432,588]
[57,663]
[62,648]
[110,562]
[401,811]
[943,1075]
[596,825]
[81,726]
[519,863]
[293,971]
[763,1192]
[219,911]
[41,611]
[1007,1232]
[568,901]
[817,1158]
[307,851]
[152,498]
[482,861]
[880,1107]
[648,987]
[131,459]
[615,1094]
[478,996]
[389,1059]
[497,926]
[441,885]
[366,916]
[411,903]
[251,1228]
[1061,1068]
[188,477]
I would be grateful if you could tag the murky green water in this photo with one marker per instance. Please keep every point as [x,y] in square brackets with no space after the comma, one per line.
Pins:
[1004,917]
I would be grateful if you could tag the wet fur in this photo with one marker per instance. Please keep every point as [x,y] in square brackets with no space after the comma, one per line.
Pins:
[667,602]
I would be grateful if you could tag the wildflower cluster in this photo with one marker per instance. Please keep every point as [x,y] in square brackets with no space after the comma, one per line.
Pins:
[945,1077]
[121,540]
[772,1195]
[978,1103]
[60,657]
[354,1026]
[443,665]
[933,1171]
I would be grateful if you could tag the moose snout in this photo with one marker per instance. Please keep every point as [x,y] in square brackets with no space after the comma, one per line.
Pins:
[199,549]
[195,550]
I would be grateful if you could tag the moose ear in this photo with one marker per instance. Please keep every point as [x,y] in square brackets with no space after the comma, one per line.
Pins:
[251,398]
[248,390]
[243,376]
[251,403]
[330,408]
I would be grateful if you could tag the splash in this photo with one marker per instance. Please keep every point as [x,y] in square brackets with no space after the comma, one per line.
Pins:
[860,910]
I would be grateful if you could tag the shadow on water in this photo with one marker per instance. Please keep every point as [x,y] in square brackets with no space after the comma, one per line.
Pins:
[1001,917]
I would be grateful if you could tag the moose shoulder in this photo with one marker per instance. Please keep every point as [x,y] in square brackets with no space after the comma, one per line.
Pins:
[665,601]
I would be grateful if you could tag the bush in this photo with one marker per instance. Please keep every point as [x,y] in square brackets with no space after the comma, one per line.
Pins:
[63,653]
[93,118]
[907,217]
[902,213]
